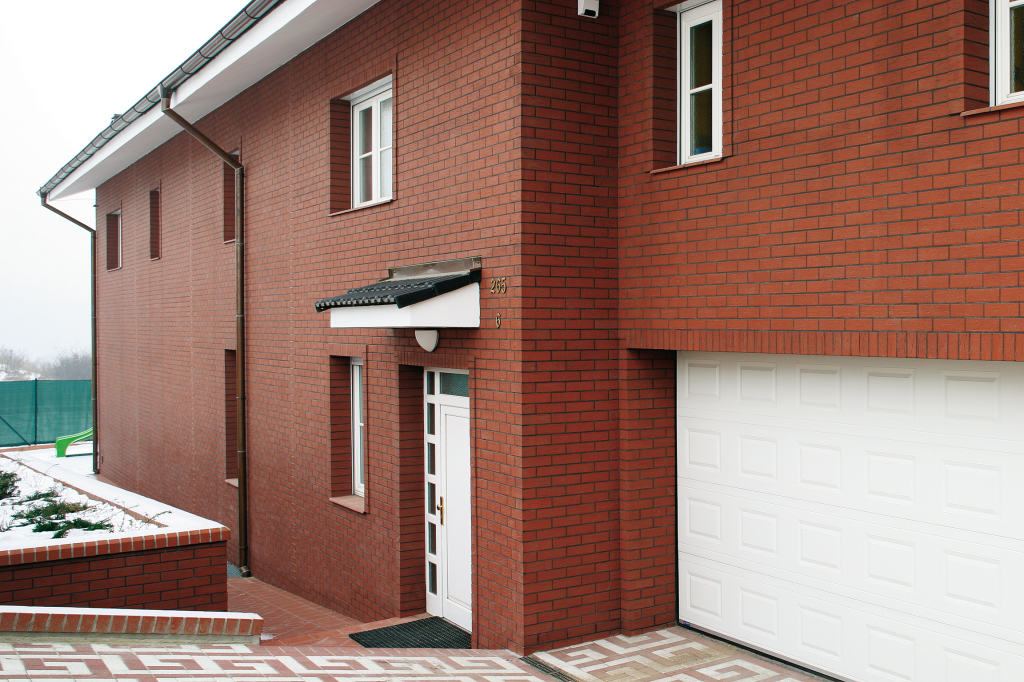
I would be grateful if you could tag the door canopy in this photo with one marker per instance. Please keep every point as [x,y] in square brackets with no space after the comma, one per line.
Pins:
[434,296]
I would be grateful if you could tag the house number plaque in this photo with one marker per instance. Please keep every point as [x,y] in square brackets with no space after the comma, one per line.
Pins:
[499,285]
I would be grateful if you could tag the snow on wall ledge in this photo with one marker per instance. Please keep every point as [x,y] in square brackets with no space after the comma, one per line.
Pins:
[179,565]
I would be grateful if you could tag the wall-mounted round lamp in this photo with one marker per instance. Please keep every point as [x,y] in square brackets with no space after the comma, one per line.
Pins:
[427,338]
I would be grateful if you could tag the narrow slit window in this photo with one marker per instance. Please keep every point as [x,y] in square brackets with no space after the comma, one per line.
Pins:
[154,224]
[228,178]
[358,426]
[230,416]
[113,237]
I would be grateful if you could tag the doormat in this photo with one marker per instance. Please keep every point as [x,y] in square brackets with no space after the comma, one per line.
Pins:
[426,633]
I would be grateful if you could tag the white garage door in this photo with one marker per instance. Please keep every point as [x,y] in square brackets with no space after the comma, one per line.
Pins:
[862,516]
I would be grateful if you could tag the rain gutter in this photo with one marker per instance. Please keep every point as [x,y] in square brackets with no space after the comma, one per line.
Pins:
[231,160]
[92,281]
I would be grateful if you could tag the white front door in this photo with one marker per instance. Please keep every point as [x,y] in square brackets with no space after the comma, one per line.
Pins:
[448,510]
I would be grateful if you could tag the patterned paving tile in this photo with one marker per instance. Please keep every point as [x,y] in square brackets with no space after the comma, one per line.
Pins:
[239,663]
[669,654]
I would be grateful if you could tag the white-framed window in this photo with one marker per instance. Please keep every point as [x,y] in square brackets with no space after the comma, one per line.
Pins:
[700,80]
[356,401]
[371,143]
[1007,51]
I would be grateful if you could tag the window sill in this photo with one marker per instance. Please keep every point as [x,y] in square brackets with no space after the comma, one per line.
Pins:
[360,207]
[233,482]
[988,110]
[356,503]
[692,164]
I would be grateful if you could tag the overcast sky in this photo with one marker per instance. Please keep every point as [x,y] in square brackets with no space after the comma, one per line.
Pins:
[68,65]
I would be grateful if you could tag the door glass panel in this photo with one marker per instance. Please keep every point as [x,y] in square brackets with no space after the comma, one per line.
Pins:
[430,383]
[430,419]
[455,384]
[700,122]
[431,458]
[432,578]
[700,55]
[431,538]
[431,499]
[1017,48]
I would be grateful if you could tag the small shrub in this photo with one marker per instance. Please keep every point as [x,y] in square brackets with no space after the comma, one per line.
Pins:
[48,495]
[8,484]
[58,509]
[62,527]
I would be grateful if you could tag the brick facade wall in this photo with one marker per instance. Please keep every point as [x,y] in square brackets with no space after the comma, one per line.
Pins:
[164,325]
[178,577]
[855,212]
[570,476]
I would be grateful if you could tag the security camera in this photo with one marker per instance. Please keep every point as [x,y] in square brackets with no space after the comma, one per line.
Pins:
[588,8]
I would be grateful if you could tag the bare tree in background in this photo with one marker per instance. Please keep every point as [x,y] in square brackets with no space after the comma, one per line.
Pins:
[68,365]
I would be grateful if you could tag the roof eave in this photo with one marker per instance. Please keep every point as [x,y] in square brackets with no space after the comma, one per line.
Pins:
[277,37]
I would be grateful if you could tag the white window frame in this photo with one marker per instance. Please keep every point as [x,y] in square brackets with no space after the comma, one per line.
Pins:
[371,97]
[691,14]
[356,381]
[999,52]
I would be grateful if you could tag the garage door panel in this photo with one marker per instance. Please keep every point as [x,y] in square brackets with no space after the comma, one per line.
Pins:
[846,637]
[858,515]
[950,575]
[958,398]
[949,482]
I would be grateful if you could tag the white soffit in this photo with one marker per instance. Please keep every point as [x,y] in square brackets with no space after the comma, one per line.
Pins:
[281,35]
[458,308]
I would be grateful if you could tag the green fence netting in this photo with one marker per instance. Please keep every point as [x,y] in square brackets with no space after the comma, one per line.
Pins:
[42,410]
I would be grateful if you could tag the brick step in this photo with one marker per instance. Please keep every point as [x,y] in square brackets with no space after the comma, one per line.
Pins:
[48,623]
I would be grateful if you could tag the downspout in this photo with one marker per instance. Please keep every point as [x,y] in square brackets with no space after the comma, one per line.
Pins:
[92,280]
[231,160]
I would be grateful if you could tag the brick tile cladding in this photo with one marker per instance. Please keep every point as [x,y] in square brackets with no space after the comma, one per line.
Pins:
[181,577]
[855,212]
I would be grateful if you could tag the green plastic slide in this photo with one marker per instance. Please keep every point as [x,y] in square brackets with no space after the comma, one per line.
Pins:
[64,441]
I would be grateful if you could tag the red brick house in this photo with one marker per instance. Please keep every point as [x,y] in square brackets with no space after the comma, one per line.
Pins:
[727,301]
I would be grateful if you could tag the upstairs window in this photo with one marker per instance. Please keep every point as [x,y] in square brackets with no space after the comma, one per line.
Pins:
[1007,18]
[113,240]
[700,80]
[371,143]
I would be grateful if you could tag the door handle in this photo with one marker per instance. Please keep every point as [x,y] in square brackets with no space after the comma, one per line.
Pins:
[440,509]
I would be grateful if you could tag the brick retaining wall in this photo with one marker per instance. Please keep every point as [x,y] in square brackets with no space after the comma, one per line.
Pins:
[170,570]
